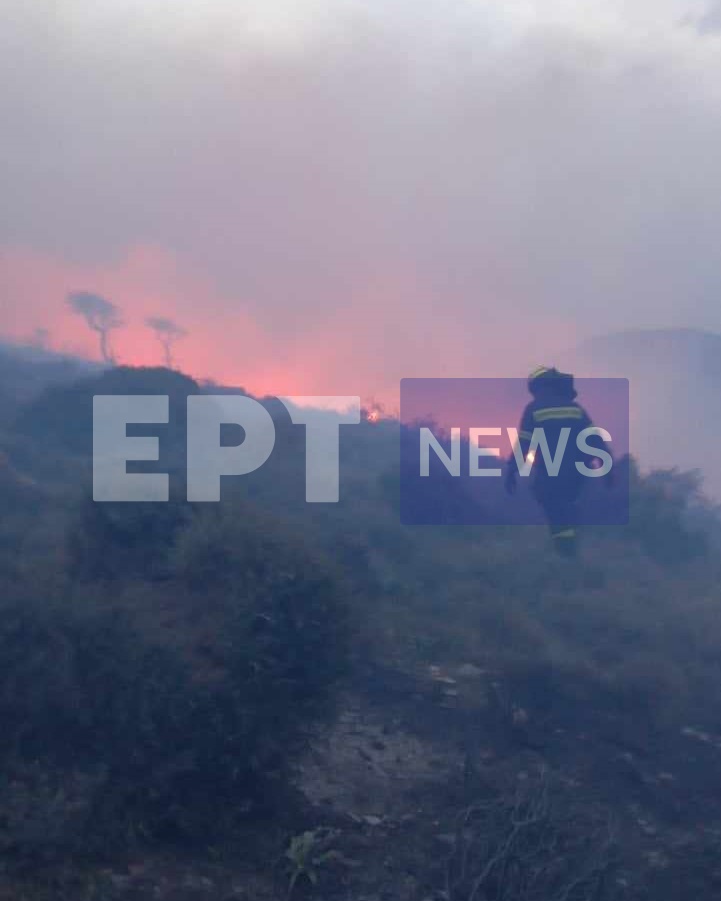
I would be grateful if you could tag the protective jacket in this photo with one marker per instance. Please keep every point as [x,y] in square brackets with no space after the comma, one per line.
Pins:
[557,489]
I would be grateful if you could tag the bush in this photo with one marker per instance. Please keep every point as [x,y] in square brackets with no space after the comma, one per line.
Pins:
[532,842]
[172,710]
[118,541]
[253,585]
[663,508]
[62,415]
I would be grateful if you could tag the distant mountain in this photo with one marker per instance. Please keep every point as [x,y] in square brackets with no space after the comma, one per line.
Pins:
[675,385]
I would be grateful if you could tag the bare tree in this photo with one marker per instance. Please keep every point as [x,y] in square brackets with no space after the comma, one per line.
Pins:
[167,332]
[101,315]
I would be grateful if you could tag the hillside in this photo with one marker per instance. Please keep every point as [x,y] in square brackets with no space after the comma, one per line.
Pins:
[240,699]
[675,382]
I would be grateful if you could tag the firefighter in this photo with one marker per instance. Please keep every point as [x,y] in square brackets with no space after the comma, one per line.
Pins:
[553,408]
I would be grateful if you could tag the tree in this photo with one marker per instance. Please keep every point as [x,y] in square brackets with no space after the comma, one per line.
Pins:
[101,315]
[167,332]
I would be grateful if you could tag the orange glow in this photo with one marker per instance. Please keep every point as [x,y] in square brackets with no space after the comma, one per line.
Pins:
[363,341]
[224,343]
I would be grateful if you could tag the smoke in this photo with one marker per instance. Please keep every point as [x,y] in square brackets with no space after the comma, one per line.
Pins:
[363,191]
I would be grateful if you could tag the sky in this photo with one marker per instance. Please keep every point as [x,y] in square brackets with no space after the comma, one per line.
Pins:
[330,195]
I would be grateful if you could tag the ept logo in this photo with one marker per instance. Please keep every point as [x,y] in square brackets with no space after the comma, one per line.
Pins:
[207,458]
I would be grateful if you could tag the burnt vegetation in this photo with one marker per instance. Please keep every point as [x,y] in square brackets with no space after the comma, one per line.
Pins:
[163,665]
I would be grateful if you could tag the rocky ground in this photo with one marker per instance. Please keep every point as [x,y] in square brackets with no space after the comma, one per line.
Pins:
[383,790]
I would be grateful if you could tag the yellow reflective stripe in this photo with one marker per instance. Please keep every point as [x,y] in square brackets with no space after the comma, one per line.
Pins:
[526,435]
[566,533]
[538,371]
[557,413]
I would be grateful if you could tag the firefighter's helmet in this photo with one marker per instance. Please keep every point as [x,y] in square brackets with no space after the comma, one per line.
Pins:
[540,372]
[550,377]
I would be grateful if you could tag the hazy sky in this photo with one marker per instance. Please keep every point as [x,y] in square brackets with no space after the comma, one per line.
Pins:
[332,194]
